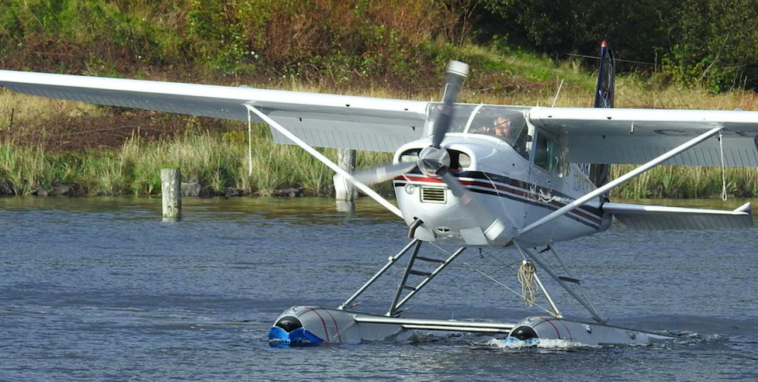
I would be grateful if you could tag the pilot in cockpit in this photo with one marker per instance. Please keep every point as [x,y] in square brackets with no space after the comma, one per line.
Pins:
[503,129]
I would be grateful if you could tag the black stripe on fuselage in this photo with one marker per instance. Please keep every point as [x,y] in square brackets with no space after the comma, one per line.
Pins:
[502,194]
[517,183]
[535,203]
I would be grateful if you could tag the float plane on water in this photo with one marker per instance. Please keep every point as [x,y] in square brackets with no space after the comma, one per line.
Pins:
[469,175]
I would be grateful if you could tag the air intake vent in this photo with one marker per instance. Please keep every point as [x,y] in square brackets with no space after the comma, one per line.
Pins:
[433,194]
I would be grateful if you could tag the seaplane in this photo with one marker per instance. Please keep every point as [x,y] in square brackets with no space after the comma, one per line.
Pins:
[470,176]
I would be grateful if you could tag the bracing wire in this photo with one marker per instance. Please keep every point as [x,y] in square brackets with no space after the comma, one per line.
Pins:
[724,196]
[489,277]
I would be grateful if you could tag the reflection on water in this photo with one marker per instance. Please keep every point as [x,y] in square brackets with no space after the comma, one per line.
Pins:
[101,289]
[273,206]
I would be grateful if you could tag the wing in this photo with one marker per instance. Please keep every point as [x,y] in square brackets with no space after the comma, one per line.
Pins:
[321,120]
[635,136]
[641,217]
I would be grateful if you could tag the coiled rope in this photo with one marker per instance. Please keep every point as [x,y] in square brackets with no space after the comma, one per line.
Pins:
[529,287]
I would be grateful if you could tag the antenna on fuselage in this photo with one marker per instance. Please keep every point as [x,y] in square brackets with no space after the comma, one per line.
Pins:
[557,93]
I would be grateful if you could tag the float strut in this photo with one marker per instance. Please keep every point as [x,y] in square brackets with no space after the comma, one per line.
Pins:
[393,307]
[368,283]
[443,264]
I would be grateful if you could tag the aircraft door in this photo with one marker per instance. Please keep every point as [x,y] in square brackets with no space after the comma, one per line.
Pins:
[546,167]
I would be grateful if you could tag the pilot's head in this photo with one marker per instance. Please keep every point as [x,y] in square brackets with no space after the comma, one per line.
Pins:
[502,126]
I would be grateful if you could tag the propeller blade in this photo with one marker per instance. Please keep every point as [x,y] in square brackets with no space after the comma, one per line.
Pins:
[483,218]
[457,188]
[383,173]
[456,72]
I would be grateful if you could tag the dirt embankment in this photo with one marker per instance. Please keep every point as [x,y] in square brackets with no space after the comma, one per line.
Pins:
[62,132]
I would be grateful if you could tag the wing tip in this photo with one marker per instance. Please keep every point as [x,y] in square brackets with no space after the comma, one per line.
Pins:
[744,208]
[748,213]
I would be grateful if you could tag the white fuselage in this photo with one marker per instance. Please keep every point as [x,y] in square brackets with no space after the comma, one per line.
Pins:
[507,186]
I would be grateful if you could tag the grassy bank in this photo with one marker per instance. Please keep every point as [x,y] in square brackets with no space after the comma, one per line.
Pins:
[110,151]
[687,182]
[217,161]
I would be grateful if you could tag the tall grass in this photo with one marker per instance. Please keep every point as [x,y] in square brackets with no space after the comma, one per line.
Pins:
[218,161]
[29,110]
[687,182]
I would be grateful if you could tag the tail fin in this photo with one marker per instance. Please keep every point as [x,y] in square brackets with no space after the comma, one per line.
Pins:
[600,174]
[606,77]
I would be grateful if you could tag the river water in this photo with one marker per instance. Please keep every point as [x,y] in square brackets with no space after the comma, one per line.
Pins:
[101,289]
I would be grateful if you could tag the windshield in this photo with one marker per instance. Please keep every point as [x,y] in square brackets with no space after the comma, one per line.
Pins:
[502,122]
[461,115]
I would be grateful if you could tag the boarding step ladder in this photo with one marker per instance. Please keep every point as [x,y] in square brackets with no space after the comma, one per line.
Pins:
[415,264]
[570,283]
[570,279]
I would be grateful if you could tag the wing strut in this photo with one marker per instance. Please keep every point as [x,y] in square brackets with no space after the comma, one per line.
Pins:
[249,144]
[621,180]
[326,161]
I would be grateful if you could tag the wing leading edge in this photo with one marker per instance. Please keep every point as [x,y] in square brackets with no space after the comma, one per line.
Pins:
[322,120]
[635,136]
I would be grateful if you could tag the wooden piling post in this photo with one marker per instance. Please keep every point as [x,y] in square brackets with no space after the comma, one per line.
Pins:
[343,189]
[171,191]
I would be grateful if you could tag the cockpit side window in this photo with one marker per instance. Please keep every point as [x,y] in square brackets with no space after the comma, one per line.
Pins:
[547,153]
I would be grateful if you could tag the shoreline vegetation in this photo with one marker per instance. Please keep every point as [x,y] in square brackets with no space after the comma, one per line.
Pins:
[389,49]
[43,154]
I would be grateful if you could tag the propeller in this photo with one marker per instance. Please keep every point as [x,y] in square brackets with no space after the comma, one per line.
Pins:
[434,161]
[456,72]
